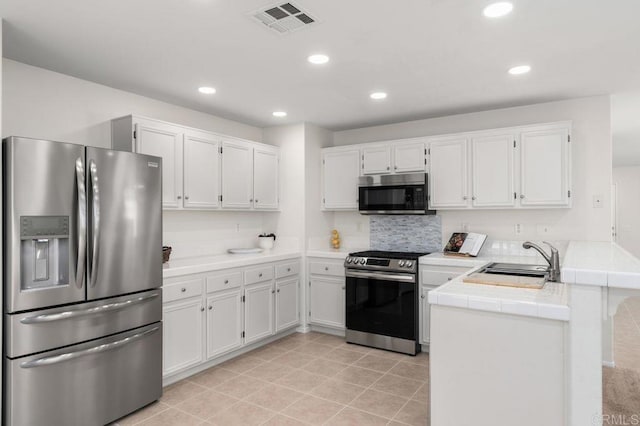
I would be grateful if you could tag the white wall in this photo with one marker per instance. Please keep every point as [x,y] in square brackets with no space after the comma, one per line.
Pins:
[627,181]
[44,104]
[591,151]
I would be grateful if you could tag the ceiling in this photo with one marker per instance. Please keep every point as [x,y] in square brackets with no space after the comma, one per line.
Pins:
[625,129]
[433,57]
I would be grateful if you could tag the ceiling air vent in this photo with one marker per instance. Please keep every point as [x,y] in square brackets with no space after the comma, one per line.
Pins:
[284,18]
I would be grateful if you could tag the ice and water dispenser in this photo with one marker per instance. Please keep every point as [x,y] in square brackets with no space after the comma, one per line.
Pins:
[44,253]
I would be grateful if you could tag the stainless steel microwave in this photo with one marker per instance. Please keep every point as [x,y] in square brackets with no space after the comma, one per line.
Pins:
[394,194]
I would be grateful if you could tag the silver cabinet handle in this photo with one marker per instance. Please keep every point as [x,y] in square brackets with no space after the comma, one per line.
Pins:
[288,269]
[82,223]
[422,297]
[94,350]
[210,308]
[343,287]
[521,196]
[226,281]
[202,309]
[179,197]
[465,197]
[273,291]
[395,167]
[326,268]
[256,201]
[278,290]
[260,275]
[387,167]
[95,216]
[183,289]
[89,311]
[186,197]
[251,200]
[473,198]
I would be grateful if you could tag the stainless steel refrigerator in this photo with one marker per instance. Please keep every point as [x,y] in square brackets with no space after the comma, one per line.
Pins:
[82,283]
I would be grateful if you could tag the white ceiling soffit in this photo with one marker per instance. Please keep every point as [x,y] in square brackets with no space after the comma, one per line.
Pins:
[284,18]
[433,57]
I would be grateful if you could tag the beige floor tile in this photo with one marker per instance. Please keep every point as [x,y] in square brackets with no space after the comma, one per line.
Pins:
[282,420]
[394,356]
[274,397]
[241,386]
[397,385]
[301,381]
[358,376]
[414,413]
[212,377]
[376,363]
[180,391]
[422,394]
[242,364]
[142,414]
[172,417]
[304,337]
[353,417]
[288,345]
[329,340]
[314,349]
[270,371]
[324,367]
[343,355]
[242,414]
[337,391]
[356,348]
[422,358]
[294,359]
[411,371]
[379,403]
[207,404]
[267,353]
[313,410]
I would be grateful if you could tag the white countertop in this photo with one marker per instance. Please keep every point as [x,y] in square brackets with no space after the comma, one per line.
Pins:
[194,265]
[340,253]
[550,302]
[603,264]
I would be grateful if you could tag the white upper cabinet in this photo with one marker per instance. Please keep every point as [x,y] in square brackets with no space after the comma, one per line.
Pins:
[448,180]
[237,175]
[545,167]
[492,168]
[409,157]
[163,140]
[201,171]
[265,178]
[376,160]
[340,171]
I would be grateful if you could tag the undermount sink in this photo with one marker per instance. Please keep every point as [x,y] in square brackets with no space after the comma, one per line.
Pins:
[516,269]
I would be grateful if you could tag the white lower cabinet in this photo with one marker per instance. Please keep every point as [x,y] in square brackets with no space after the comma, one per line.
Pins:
[327,292]
[425,314]
[182,335]
[258,311]
[224,322]
[235,308]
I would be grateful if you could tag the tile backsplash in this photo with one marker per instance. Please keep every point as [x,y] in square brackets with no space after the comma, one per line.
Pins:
[406,233]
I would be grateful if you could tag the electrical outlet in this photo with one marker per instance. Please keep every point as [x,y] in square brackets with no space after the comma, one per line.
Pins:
[543,229]
[465,227]
[518,228]
[597,201]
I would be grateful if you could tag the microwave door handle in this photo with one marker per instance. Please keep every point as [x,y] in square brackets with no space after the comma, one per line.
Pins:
[95,219]
[82,222]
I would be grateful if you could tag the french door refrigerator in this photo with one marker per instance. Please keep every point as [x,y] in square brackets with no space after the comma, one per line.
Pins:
[82,283]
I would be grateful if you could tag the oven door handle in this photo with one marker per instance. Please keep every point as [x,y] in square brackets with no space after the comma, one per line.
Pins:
[382,276]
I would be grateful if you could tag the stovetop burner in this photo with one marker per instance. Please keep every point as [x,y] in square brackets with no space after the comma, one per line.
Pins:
[389,254]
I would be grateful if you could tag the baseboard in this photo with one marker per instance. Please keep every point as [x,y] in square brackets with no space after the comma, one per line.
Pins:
[611,364]
[328,330]
[303,329]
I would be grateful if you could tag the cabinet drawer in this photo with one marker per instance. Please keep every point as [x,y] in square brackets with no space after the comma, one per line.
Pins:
[224,281]
[325,268]
[440,276]
[287,269]
[256,275]
[182,290]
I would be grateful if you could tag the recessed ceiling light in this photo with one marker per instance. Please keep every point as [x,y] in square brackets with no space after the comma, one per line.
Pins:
[520,69]
[279,114]
[318,59]
[378,95]
[207,90]
[496,10]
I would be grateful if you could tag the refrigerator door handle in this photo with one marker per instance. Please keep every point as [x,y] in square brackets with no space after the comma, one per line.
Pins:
[38,319]
[95,219]
[82,223]
[40,362]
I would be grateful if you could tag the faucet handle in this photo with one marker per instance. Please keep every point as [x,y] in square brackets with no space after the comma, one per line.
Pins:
[553,249]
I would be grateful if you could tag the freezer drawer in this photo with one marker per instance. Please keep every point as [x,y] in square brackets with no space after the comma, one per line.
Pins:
[93,383]
[37,331]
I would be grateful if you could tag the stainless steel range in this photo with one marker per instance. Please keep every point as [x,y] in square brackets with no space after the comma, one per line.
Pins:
[382,300]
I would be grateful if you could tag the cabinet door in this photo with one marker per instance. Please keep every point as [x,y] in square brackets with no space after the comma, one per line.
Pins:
[258,312]
[287,312]
[163,140]
[237,175]
[265,178]
[341,170]
[376,160]
[327,301]
[409,157]
[493,171]
[201,171]
[425,314]
[182,335]
[224,322]
[545,171]
[448,178]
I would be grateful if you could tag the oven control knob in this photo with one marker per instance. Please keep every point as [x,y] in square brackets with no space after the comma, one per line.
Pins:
[349,260]
[401,263]
[363,261]
[409,264]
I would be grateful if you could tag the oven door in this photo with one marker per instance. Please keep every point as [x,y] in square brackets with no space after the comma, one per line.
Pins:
[393,199]
[382,303]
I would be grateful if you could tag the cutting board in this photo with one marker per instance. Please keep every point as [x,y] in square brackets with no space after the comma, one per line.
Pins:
[504,280]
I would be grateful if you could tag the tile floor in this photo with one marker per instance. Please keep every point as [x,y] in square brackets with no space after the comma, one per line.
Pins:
[301,379]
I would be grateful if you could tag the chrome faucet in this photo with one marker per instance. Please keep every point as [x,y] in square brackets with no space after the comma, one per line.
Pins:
[553,260]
